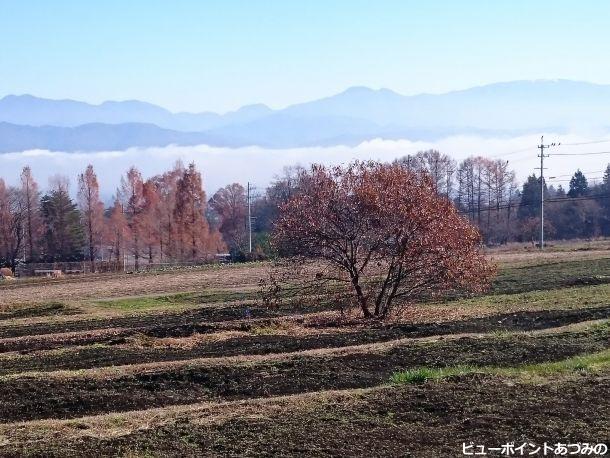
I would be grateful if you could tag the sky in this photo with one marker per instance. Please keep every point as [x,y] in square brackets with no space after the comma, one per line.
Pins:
[218,55]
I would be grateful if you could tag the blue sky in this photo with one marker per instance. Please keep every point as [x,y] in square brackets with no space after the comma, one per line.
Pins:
[219,55]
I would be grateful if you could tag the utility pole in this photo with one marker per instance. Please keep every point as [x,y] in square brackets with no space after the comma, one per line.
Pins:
[542,147]
[249,221]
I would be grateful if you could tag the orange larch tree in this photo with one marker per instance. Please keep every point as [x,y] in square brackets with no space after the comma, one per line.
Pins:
[30,196]
[230,204]
[91,210]
[151,218]
[189,213]
[132,193]
[116,230]
[167,185]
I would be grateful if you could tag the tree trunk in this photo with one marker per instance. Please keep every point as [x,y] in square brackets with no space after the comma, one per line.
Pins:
[360,296]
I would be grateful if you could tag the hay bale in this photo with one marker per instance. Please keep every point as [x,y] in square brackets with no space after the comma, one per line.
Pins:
[5,272]
[56,274]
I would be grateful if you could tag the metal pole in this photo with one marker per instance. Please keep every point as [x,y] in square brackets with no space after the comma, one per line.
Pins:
[249,222]
[542,193]
[542,147]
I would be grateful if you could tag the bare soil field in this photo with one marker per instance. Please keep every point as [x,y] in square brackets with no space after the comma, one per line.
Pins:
[117,285]
[432,420]
[191,363]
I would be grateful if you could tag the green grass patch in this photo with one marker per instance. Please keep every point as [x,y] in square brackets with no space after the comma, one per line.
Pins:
[176,300]
[603,327]
[44,309]
[548,276]
[583,363]
[564,298]
[423,374]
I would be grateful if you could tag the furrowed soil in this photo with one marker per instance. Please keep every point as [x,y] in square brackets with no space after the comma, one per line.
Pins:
[190,363]
[431,420]
[118,351]
[152,386]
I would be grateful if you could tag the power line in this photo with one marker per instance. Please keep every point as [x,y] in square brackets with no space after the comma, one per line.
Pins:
[569,199]
[587,143]
[581,154]
[569,179]
[584,173]
[552,200]
[529,148]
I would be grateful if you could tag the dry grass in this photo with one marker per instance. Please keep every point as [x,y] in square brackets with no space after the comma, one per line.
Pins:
[116,286]
[183,343]
[241,277]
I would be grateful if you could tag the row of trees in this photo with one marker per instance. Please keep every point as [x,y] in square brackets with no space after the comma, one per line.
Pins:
[155,220]
[487,192]
[483,190]
[168,218]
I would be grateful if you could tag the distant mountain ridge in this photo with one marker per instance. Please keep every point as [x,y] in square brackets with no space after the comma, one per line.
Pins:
[35,111]
[350,117]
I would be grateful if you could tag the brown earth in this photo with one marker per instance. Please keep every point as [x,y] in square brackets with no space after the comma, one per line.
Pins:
[118,351]
[423,421]
[213,373]
[121,285]
[68,395]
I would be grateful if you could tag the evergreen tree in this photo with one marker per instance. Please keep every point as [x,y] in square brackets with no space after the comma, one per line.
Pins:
[578,185]
[529,206]
[63,237]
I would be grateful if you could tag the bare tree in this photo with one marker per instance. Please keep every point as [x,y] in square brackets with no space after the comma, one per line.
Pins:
[440,167]
[12,219]
[132,193]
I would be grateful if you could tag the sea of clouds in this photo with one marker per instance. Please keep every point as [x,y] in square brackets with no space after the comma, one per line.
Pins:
[221,166]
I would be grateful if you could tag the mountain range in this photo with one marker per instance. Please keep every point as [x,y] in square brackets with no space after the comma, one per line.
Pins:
[351,117]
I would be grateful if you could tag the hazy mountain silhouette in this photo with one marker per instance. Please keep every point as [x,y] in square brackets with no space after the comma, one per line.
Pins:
[355,115]
[35,111]
[93,137]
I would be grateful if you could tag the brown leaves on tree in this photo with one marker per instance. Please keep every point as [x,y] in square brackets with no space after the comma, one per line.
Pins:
[192,228]
[382,233]
[91,209]
[230,204]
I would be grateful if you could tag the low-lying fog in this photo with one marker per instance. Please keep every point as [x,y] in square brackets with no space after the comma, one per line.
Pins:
[221,166]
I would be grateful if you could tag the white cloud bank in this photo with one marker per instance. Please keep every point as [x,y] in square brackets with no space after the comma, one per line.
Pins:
[221,166]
